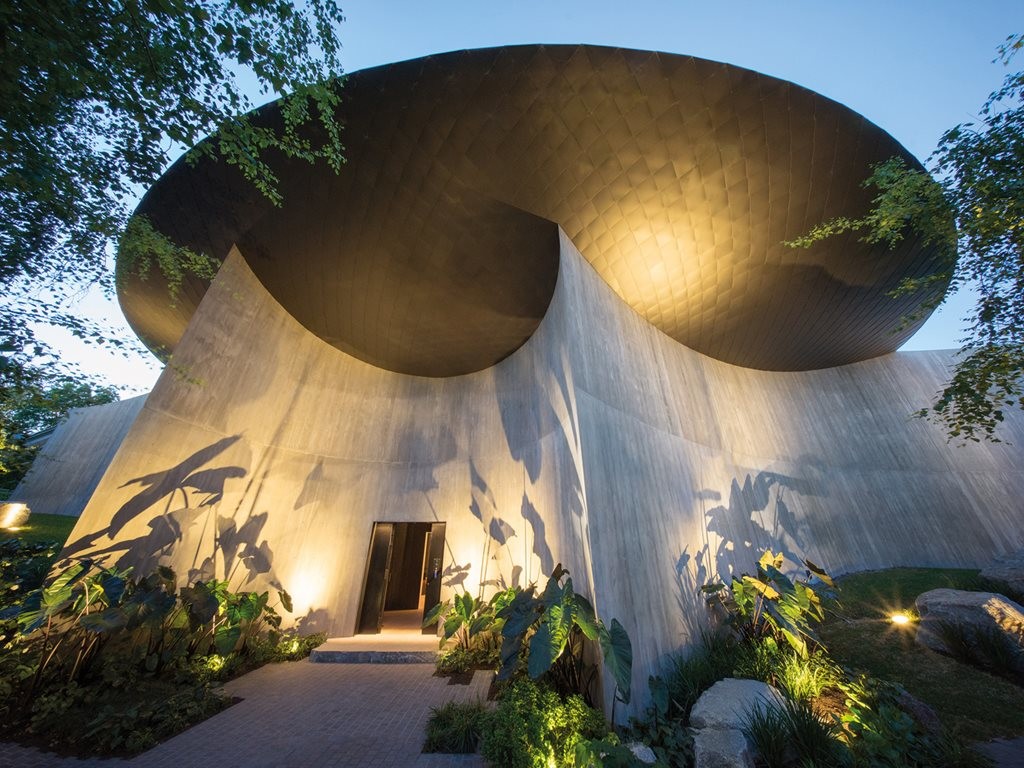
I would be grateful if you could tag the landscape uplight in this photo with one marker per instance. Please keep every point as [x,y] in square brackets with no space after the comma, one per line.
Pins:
[899,619]
[13,515]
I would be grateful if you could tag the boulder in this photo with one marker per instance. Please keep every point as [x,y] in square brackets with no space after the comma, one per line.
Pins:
[719,716]
[642,752]
[955,616]
[721,748]
[1008,570]
[726,704]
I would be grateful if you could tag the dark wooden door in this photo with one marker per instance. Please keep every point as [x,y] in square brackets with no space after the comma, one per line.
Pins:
[378,574]
[435,567]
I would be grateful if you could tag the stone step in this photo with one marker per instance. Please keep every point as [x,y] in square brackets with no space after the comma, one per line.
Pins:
[372,657]
[385,648]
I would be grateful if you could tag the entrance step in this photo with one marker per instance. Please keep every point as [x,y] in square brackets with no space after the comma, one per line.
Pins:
[385,648]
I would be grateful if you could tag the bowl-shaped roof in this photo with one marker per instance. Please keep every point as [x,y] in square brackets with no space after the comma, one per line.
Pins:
[434,251]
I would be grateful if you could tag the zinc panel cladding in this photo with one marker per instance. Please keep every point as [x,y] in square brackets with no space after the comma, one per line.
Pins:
[433,251]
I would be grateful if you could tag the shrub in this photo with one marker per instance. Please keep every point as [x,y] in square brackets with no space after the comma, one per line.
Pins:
[533,727]
[770,604]
[545,633]
[458,659]
[793,735]
[880,734]
[95,659]
[474,623]
[804,679]
[714,658]
[454,727]
[666,735]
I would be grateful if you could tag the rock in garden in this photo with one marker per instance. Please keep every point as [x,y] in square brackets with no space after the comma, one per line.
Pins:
[721,748]
[1009,570]
[923,715]
[955,616]
[642,752]
[726,704]
[719,716]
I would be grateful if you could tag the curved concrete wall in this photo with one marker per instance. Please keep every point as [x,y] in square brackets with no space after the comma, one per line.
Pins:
[265,454]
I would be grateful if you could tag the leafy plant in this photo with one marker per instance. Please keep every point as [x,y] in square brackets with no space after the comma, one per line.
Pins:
[457,660]
[604,753]
[533,727]
[666,735]
[793,735]
[471,621]
[454,727]
[878,732]
[806,678]
[95,656]
[970,215]
[715,657]
[543,627]
[770,604]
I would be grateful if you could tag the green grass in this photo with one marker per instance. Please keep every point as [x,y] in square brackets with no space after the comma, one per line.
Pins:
[877,594]
[43,528]
[981,706]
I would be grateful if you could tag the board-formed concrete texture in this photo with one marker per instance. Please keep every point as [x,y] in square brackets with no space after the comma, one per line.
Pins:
[602,442]
[69,465]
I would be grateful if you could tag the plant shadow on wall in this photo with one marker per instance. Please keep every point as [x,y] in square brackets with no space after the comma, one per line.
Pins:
[757,517]
[186,525]
[112,658]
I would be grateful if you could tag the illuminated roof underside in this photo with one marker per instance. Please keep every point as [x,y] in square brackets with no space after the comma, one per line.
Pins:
[434,251]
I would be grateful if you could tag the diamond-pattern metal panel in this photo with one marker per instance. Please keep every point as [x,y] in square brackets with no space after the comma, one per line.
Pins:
[433,252]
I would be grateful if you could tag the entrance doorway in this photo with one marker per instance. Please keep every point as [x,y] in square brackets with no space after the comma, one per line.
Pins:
[403,577]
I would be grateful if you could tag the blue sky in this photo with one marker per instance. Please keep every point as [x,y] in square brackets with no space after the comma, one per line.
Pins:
[913,68]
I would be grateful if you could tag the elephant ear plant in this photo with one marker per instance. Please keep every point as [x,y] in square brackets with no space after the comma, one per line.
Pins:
[549,630]
[771,604]
[468,618]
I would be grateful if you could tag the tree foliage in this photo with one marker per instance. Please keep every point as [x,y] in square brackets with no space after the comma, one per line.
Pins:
[33,406]
[99,95]
[969,206]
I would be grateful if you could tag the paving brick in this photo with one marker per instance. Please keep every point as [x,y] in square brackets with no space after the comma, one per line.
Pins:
[302,714]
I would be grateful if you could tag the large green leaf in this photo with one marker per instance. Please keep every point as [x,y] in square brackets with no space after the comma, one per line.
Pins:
[554,592]
[452,625]
[818,571]
[585,618]
[520,614]
[226,638]
[113,585]
[58,593]
[480,624]
[779,579]
[435,612]
[549,640]
[618,656]
[108,620]
[510,647]
[200,604]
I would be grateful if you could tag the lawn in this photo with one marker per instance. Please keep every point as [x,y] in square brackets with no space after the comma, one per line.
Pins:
[43,528]
[878,594]
[860,637]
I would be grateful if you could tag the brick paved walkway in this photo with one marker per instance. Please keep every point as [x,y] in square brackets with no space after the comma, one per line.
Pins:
[302,714]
